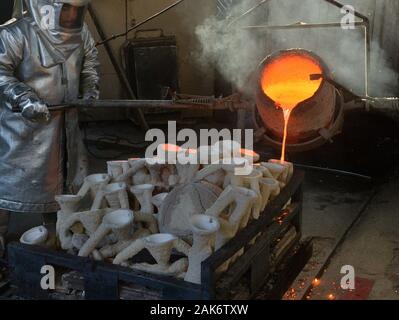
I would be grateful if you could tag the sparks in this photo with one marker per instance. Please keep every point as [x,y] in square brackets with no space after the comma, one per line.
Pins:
[315,282]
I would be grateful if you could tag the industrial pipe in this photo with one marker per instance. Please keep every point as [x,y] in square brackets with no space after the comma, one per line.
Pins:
[232,103]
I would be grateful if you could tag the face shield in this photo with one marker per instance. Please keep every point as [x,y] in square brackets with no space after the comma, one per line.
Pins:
[70,17]
[61,21]
[65,16]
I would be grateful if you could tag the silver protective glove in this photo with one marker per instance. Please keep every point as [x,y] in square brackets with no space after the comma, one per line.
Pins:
[91,95]
[36,112]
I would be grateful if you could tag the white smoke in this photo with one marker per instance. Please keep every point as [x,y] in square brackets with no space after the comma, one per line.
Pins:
[234,51]
[237,51]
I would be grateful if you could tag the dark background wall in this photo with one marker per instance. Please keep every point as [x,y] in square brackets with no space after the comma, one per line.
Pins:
[5,10]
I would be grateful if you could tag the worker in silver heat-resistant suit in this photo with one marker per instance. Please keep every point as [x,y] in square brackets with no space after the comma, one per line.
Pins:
[46,57]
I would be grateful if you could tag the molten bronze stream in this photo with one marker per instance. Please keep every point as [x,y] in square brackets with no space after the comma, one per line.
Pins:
[293,104]
[287,81]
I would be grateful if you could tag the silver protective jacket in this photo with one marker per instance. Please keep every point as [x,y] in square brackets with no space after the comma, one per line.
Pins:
[34,157]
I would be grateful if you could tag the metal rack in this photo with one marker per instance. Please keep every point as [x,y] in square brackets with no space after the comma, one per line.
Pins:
[101,280]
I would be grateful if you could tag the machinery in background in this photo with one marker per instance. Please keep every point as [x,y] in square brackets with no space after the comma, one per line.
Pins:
[151,64]
[150,60]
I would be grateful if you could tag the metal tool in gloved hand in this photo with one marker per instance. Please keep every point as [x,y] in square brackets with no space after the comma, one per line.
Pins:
[233,102]
[39,111]
[35,111]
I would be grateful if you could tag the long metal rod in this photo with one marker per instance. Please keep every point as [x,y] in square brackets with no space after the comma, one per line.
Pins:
[367,49]
[216,104]
[182,101]
[113,104]
[116,36]
[340,6]
[367,37]
[334,171]
[126,18]
[303,26]
[332,2]
[119,71]
[247,12]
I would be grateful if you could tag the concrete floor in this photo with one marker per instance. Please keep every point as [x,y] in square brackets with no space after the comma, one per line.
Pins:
[331,206]
[372,248]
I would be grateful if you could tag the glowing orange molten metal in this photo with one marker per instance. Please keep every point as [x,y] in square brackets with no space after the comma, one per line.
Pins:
[168,147]
[287,81]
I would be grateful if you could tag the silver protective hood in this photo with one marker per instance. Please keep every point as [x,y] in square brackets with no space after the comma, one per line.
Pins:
[47,13]
[38,162]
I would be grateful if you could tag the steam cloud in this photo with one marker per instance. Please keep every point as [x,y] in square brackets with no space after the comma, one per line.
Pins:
[237,52]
